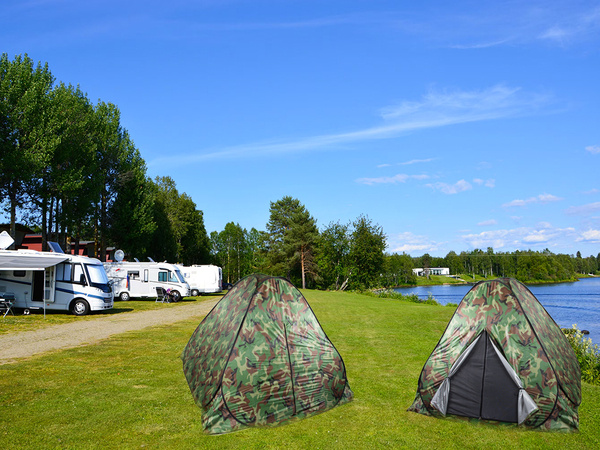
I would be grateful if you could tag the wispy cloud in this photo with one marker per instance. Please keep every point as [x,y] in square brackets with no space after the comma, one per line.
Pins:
[450,189]
[584,210]
[521,238]
[416,161]
[542,198]
[593,149]
[487,183]
[487,223]
[436,109]
[410,243]
[399,178]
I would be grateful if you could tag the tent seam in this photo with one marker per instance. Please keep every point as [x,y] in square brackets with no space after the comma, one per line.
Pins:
[231,351]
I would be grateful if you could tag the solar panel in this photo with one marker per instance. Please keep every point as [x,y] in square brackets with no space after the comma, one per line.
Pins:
[55,247]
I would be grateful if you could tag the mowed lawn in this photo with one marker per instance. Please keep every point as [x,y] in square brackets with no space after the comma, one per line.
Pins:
[130,392]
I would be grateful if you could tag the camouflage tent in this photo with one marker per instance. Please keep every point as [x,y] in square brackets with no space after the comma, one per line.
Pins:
[260,357]
[502,358]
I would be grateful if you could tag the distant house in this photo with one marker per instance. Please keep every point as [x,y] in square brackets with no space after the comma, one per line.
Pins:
[27,239]
[420,272]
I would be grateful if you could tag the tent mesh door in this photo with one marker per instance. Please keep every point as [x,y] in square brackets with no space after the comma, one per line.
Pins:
[481,387]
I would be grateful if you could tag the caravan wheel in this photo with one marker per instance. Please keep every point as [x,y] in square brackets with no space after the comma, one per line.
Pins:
[124,296]
[80,307]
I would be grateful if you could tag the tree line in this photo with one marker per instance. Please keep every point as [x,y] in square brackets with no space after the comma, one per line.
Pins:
[70,170]
[352,255]
[69,167]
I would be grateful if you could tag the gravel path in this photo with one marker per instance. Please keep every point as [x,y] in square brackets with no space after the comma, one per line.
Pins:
[57,337]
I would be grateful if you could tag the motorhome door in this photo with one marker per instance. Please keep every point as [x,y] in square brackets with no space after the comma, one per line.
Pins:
[49,284]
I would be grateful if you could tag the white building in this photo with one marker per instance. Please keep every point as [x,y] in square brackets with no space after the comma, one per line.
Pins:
[420,272]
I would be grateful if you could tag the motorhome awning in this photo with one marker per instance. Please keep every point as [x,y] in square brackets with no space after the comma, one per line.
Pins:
[11,260]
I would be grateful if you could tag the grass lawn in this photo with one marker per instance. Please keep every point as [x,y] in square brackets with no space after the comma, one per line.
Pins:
[130,392]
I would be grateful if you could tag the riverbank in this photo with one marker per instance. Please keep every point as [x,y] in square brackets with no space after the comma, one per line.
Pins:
[464,279]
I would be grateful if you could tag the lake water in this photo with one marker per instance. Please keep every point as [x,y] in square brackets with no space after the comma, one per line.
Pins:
[567,303]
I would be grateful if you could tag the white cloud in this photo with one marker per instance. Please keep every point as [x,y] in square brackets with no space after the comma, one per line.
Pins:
[593,149]
[592,236]
[520,238]
[435,109]
[416,161]
[487,183]
[542,198]
[459,186]
[584,210]
[487,223]
[399,178]
[381,166]
[409,243]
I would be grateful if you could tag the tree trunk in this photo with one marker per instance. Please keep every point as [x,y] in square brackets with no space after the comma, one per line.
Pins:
[302,256]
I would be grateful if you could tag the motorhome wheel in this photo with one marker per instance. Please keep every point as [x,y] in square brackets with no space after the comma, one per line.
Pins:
[195,293]
[80,307]
[175,296]
[124,296]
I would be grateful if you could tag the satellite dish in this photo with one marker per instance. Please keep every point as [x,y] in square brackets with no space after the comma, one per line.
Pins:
[119,255]
[5,240]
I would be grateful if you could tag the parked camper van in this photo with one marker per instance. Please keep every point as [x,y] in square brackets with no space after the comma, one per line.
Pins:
[203,279]
[54,281]
[140,279]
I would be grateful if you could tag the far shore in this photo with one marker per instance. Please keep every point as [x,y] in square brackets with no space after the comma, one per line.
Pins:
[442,280]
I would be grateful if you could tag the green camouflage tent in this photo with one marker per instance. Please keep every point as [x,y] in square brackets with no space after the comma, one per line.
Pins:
[502,358]
[260,357]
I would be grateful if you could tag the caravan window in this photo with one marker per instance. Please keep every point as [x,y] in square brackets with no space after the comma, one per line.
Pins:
[78,276]
[134,275]
[63,272]
[163,276]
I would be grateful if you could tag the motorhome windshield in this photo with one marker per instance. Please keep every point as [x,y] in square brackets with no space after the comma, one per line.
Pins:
[97,276]
[180,276]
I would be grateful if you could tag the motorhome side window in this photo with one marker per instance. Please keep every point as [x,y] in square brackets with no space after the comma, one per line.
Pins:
[63,272]
[163,276]
[173,278]
[19,273]
[134,275]
[78,276]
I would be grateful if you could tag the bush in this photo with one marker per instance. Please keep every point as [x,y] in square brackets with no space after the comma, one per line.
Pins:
[390,293]
[588,355]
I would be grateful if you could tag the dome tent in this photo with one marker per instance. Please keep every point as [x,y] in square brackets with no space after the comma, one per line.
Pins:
[502,358]
[260,357]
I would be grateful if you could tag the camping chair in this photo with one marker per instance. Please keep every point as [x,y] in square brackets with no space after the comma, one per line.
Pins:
[6,303]
[162,295]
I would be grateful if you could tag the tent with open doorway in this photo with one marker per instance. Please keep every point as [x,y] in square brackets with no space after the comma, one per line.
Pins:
[260,357]
[502,358]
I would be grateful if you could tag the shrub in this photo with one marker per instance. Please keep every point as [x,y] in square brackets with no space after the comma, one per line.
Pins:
[390,293]
[588,354]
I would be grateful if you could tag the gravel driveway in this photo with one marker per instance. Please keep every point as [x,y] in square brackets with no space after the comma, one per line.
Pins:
[28,343]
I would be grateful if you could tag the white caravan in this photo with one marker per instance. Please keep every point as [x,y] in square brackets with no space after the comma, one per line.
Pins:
[203,279]
[140,279]
[54,281]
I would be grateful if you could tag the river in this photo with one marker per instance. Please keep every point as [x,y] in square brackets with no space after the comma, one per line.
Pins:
[567,303]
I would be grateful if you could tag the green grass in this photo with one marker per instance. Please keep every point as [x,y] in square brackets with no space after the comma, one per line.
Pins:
[36,319]
[130,392]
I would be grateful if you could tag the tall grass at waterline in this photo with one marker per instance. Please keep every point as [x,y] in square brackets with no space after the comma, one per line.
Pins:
[129,392]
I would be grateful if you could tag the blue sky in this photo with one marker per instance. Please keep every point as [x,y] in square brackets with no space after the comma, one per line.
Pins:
[452,125]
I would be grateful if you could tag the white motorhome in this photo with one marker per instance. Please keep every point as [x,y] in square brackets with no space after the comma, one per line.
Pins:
[203,279]
[140,279]
[54,281]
